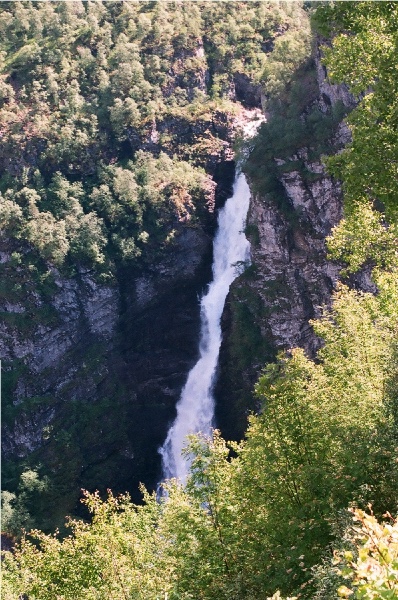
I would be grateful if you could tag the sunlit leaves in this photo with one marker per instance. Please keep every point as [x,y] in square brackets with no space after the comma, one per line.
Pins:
[364,56]
[370,571]
[364,235]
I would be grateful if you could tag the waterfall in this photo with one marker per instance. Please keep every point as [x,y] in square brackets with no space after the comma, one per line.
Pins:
[195,409]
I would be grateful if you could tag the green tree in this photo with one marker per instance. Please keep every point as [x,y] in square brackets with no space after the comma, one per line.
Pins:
[363,55]
[17,510]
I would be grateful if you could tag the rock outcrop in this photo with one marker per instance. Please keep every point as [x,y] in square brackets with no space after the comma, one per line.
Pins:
[290,279]
[45,335]
[96,370]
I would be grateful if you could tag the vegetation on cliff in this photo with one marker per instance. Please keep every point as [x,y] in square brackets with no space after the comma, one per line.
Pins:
[113,118]
[93,94]
[262,515]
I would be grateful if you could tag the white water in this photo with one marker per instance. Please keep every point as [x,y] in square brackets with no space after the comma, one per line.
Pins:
[195,409]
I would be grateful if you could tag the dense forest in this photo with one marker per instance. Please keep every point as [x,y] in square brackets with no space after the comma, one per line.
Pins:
[304,506]
[97,97]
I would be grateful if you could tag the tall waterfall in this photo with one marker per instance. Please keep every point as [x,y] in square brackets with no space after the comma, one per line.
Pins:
[195,409]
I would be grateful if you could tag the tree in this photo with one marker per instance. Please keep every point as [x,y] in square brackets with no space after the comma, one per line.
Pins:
[363,55]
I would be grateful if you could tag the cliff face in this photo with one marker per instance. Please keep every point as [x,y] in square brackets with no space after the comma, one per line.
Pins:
[112,357]
[92,372]
[43,339]
[293,277]
[290,278]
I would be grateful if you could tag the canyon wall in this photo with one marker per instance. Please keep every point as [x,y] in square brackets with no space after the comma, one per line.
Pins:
[270,306]
[92,372]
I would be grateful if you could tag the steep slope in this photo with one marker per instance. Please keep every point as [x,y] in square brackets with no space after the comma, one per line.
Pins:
[294,206]
[123,118]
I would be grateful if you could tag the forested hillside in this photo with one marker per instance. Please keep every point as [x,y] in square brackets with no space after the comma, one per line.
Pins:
[304,506]
[116,108]
[115,118]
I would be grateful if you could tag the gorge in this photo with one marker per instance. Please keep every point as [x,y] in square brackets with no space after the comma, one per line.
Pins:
[149,289]
[95,354]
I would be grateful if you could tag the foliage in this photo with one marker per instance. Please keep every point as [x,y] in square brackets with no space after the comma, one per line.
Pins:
[373,573]
[362,236]
[246,43]
[363,55]
[84,87]
[322,439]
[99,560]
[367,165]
[365,565]
[248,524]
[290,51]
[14,509]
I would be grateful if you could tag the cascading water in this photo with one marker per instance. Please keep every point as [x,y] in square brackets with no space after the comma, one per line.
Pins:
[195,409]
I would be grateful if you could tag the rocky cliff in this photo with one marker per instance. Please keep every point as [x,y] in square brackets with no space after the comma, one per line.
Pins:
[107,219]
[92,372]
[290,279]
